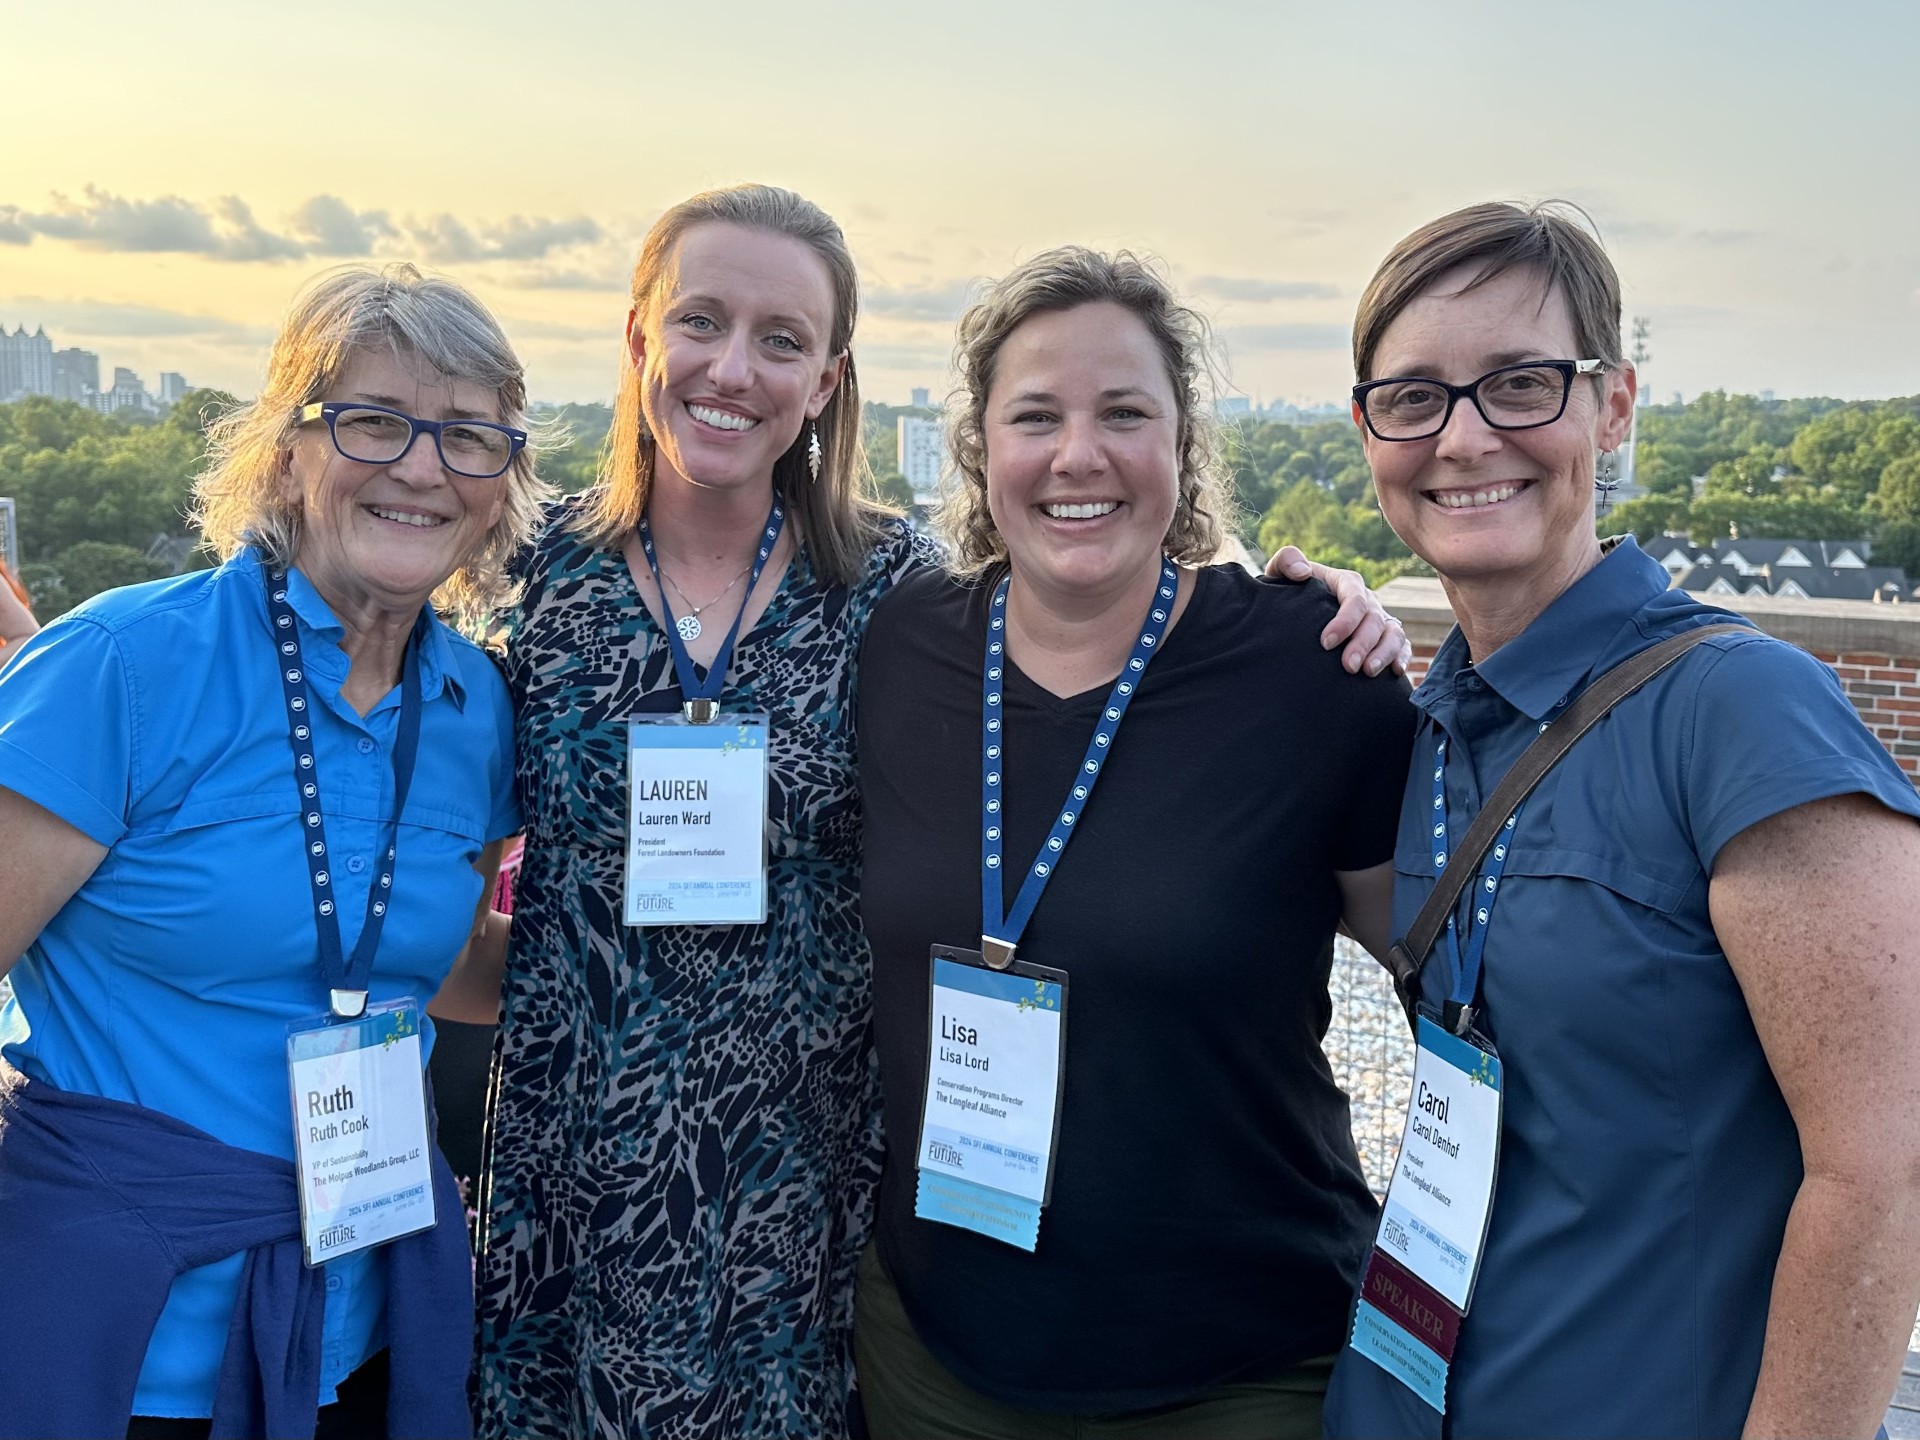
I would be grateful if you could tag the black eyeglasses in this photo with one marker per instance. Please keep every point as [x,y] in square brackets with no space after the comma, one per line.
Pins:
[375,435]
[1514,397]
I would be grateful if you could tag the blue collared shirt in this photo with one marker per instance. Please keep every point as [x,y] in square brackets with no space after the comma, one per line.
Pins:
[151,719]
[1647,1159]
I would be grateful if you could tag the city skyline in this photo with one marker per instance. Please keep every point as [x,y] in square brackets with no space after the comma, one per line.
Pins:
[1743,164]
[30,364]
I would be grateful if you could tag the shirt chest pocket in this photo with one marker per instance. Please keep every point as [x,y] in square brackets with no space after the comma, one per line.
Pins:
[1582,940]
[1637,878]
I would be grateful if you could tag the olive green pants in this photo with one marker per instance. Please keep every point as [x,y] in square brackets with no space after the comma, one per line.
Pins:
[909,1395]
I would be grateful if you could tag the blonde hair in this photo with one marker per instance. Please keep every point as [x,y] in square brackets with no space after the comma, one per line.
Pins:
[1065,279]
[837,519]
[238,499]
[1495,237]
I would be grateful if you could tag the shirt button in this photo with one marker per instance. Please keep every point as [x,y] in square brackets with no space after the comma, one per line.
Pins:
[366,746]
[356,863]
[333,1284]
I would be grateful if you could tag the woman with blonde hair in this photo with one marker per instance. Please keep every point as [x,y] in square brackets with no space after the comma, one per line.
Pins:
[685,1133]
[247,821]
[1118,799]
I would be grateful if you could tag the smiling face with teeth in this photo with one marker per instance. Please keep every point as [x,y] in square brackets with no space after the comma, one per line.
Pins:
[1505,516]
[733,353]
[383,538]
[1082,454]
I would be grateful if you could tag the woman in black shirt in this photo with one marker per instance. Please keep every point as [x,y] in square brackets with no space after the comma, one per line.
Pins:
[1190,1265]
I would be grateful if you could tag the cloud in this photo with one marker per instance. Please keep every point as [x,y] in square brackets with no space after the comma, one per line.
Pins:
[243,239]
[537,277]
[1235,287]
[549,330]
[93,318]
[918,302]
[1303,224]
[325,225]
[1289,337]
[446,240]
[333,227]
[932,359]
[1659,232]
[103,221]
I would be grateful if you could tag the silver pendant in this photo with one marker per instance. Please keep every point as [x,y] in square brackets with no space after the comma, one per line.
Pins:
[688,626]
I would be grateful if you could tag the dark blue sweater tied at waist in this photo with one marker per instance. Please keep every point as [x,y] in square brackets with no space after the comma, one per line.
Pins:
[103,1203]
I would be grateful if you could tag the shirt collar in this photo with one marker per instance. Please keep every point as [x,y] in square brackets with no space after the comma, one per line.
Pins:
[319,624]
[1545,664]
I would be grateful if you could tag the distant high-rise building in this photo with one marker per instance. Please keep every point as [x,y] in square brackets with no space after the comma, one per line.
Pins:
[1233,407]
[922,457]
[129,392]
[920,397]
[173,388]
[76,376]
[26,364]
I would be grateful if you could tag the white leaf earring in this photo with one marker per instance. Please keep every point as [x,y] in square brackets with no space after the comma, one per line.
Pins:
[813,450]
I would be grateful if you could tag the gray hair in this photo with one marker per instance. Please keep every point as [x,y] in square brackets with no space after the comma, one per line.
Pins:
[342,313]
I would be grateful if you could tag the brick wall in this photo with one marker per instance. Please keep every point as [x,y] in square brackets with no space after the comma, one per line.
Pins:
[1885,689]
[1874,649]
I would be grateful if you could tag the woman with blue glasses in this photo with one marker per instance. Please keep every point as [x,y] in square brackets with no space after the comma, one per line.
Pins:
[247,819]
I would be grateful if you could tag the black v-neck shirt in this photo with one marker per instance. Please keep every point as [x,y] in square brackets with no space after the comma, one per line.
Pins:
[1208,1218]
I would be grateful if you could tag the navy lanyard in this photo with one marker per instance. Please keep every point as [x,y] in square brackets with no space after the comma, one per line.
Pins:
[701,699]
[345,976]
[999,933]
[1465,961]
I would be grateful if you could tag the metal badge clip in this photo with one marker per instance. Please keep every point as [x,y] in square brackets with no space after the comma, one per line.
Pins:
[348,1004]
[997,953]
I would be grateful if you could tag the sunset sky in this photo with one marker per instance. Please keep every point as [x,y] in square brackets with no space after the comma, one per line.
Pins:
[169,177]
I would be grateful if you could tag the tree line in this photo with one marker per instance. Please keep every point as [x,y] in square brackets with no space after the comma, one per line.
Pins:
[94,493]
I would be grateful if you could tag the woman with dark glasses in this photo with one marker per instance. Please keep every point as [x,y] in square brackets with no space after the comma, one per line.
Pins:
[1663,1173]
[247,819]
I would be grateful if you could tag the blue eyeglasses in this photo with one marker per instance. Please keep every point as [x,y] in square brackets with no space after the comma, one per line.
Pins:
[375,435]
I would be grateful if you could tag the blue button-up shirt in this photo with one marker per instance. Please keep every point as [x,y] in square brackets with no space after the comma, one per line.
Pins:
[152,720]
[1647,1159]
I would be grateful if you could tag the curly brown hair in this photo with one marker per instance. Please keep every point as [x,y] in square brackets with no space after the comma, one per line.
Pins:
[1065,279]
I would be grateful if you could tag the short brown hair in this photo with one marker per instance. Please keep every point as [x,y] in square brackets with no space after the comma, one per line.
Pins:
[1497,236]
[837,518]
[1065,279]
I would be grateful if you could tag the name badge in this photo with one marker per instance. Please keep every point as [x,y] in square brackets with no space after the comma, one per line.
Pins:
[991,1115]
[697,821]
[1426,1258]
[360,1131]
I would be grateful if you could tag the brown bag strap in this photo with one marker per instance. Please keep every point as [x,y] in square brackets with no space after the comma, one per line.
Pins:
[1406,957]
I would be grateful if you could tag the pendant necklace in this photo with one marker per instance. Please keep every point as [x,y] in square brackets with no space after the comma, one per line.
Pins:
[689,624]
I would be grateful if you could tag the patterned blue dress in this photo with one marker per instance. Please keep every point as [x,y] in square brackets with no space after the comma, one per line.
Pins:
[685,1135]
